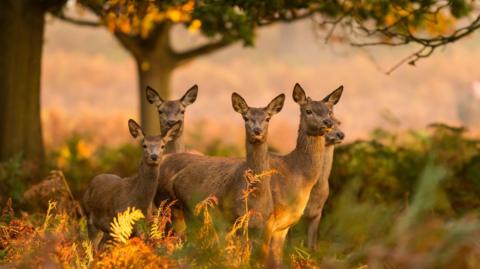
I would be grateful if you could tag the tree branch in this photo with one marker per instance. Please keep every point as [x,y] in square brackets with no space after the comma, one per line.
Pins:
[63,17]
[52,4]
[293,18]
[186,56]
[429,45]
[130,43]
[94,6]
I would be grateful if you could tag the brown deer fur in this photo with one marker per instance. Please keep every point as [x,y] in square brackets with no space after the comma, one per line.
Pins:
[171,112]
[187,175]
[107,194]
[320,192]
[202,176]
[298,171]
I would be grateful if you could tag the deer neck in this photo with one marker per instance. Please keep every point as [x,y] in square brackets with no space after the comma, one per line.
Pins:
[308,154]
[146,184]
[258,161]
[257,157]
[176,145]
[327,161]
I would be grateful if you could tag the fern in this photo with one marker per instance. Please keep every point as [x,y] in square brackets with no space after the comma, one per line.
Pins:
[88,248]
[51,206]
[122,225]
[207,234]
[155,231]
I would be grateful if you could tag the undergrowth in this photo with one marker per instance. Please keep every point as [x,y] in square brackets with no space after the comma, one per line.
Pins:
[396,201]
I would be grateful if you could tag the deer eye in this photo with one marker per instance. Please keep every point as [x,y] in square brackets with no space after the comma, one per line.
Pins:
[245,119]
[267,119]
[144,146]
[163,146]
[308,111]
[160,112]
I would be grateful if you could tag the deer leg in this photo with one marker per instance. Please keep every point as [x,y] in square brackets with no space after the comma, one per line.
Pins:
[106,237]
[313,226]
[267,239]
[92,231]
[157,199]
[179,223]
[275,259]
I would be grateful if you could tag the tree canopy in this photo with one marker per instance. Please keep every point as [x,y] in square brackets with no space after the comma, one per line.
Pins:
[143,28]
[431,23]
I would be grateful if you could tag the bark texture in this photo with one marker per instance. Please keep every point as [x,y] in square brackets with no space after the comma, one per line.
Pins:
[21,28]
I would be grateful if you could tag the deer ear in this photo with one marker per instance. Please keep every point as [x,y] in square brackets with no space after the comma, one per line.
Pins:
[334,97]
[190,96]
[299,95]
[135,129]
[153,97]
[276,104]
[172,132]
[239,103]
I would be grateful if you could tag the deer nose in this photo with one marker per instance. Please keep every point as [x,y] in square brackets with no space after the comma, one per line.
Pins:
[340,135]
[154,157]
[257,131]
[328,123]
[170,123]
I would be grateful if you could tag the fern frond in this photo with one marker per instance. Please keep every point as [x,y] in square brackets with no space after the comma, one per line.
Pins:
[51,206]
[87,246]
[122,226]
[207,233]
[155,232]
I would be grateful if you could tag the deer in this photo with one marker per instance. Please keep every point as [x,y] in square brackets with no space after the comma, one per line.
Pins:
[297,171]
[108,194]
[192,178]
[171,112]
[320,191]
[296,174]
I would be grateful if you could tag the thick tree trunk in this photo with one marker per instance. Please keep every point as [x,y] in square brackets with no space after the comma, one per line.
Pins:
[157,75]
[21,31]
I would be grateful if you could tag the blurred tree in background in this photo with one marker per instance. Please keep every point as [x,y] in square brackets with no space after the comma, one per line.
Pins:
[21,39]
[144,28]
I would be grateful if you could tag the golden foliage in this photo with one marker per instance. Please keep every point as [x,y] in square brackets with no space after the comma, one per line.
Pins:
[81,150]
[435,23]
[87,246]
[160,234]
[301,259]
[54,187]
[51,206]
[85,149]
[162,218]
[238,244]
[16,239]
[64,157]
[195,25]
[239,247]
[122,225]
[207,233]
[133,254]
[128,16]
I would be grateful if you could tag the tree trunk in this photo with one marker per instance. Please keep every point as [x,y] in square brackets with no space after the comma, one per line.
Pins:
[157,75]
[21,32]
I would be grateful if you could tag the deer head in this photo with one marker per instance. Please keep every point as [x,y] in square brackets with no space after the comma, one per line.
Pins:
[153,146]
[316,116]
[335,136]
[171,111]
[257,119]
